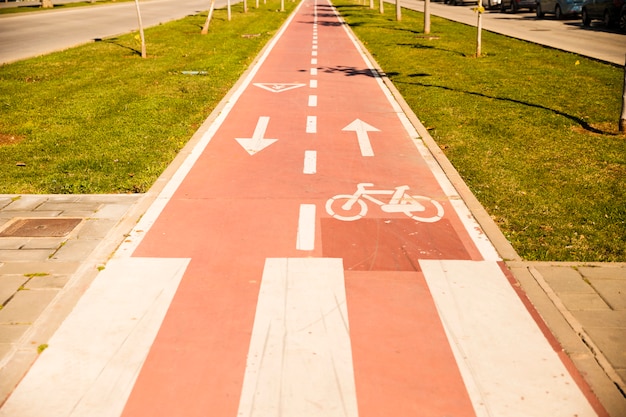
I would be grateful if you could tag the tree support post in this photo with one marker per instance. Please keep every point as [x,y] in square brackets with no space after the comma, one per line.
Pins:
[143,39]
[426,17]
[622,119]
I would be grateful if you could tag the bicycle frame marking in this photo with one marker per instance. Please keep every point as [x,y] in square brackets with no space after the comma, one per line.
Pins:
[400,202]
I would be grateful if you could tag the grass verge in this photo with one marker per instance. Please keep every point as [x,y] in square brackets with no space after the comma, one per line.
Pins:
[532,130]
[99,119]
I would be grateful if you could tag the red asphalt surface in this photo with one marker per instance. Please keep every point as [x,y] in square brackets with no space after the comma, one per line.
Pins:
[236,209]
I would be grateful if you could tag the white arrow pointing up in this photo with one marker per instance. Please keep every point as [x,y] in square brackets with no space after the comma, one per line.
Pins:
[257,142]
[361,128]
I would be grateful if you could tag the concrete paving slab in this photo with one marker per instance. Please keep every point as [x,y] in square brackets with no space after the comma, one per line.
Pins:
[47,282]
[613,291]
[29,213]
[75,250]
[605,271]
[93,228]
[110,211]
[26,306]
[5,201]
[51,243]
[32,255]
[10,333]
[602,319]
[9,285]
[25,203]
[75,206]
[609,340]
[565,280]
[577,302]
[50,267]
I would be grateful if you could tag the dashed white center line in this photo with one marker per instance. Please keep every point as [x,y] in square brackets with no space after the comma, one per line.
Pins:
[313,84]
[306,227]
[313,71]
[313,61]
[310,162]
[314,53]
[311,124]
[314,46]
[312,101]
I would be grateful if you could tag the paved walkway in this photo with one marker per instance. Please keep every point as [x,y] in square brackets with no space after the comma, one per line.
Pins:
[234,291]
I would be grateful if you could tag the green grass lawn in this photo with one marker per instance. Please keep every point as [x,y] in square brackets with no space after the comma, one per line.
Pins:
[532,130]
[99,119]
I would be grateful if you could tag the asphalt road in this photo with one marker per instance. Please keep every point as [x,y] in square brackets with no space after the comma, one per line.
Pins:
[32,34]
[27,35]
[568,35]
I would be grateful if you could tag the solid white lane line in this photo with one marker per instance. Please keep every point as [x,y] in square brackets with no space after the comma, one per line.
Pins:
[93,359]
[300,359]
[507,364]
[305,239]
[312,101]
[313,84]
[310,162]
[311,124]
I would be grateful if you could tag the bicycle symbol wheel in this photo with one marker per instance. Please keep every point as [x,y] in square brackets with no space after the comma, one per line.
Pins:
[336,207]
[433,210]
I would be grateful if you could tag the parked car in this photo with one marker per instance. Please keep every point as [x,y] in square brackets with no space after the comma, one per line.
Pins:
[516,5]
[559,8]
[622,19]
[609,11]
[487,4]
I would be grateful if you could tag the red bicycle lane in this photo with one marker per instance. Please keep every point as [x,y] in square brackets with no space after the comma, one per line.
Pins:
[265,199]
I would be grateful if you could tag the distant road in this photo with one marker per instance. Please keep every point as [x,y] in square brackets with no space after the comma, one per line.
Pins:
[31,34]
[568,35]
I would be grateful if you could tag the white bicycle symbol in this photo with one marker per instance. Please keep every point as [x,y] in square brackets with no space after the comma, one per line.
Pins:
[400,202]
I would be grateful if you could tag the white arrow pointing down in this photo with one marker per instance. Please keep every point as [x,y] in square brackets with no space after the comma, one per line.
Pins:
[361,128]
[257,142]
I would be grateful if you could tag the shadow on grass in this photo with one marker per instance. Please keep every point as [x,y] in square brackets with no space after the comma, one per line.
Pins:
[115,41]
[586,126]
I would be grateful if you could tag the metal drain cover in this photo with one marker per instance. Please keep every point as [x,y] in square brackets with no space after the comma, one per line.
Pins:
[56,227]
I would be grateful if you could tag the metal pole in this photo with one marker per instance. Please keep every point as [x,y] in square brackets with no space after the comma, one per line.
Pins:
[398,12]
[143,39]
[479,35]
[622,119]
[426,17]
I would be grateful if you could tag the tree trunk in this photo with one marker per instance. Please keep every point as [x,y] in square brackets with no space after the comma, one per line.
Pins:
[622,119]
[426,17]
[205,28]
[143,39]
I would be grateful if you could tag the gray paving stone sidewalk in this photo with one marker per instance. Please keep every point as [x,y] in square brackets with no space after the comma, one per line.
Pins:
[584,307]
[51,247]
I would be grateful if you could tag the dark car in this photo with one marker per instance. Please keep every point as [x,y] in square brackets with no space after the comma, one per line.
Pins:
[559,8]
[609,11]
[516,5]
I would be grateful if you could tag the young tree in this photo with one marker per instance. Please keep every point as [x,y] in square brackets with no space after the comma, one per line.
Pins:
[143,39]
[205,28]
